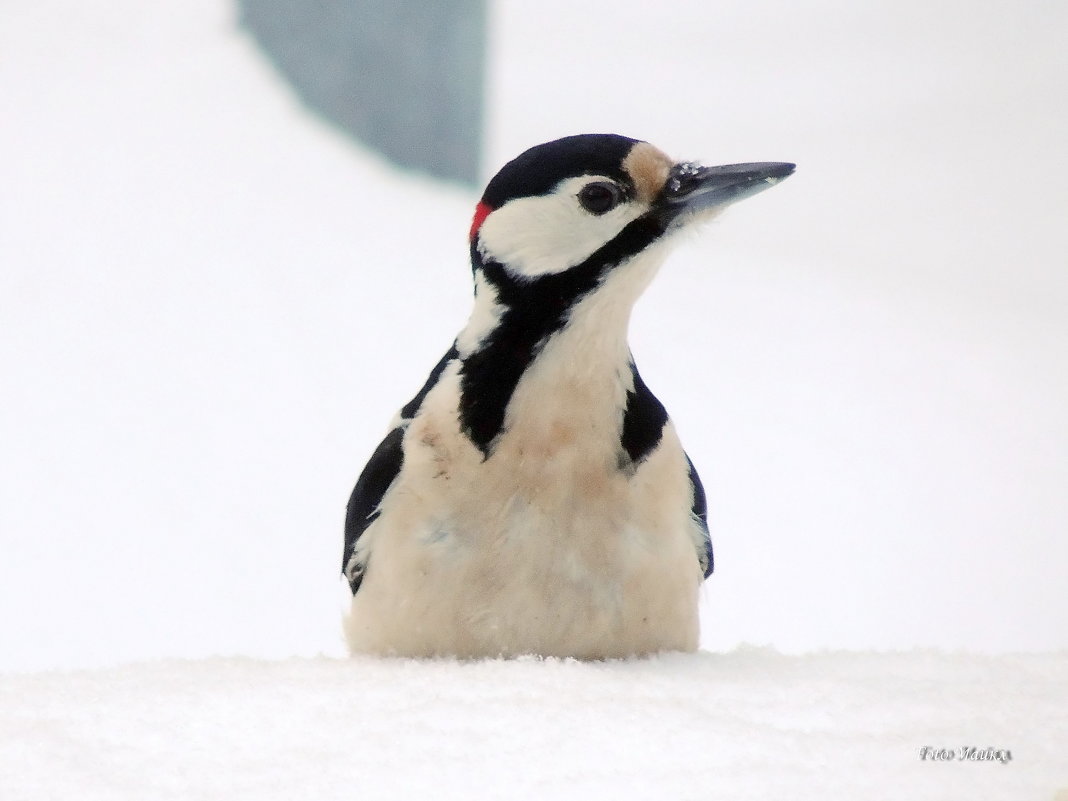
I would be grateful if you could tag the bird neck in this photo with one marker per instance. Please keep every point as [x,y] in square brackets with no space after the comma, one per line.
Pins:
[551,348]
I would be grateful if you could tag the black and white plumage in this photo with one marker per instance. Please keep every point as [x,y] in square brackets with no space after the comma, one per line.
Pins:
[533,497]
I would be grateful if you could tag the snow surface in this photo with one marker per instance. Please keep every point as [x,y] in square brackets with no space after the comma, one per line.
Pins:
[211,306]
[750,724]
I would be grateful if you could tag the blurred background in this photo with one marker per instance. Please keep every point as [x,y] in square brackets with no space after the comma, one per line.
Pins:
[232,244]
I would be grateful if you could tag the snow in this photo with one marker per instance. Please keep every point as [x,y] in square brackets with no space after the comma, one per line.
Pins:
[212,306]
[749,724]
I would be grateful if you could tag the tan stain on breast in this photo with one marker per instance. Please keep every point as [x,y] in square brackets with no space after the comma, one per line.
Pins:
[648,167]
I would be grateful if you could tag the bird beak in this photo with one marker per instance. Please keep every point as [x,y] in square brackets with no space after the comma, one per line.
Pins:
[691,187]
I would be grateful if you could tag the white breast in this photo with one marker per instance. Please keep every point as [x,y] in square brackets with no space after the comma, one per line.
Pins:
[546,547]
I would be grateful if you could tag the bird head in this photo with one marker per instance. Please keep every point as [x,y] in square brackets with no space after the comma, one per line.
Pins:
[599,197]
[565,239]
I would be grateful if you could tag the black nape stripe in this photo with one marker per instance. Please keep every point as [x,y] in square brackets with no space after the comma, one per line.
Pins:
[534,310]
[643,420]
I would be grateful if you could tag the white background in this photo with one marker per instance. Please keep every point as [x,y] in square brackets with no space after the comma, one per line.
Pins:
[211,306]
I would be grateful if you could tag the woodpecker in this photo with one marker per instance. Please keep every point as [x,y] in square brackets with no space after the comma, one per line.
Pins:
[533,497]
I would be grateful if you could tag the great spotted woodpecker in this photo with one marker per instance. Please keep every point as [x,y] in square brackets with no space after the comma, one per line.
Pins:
[533,497]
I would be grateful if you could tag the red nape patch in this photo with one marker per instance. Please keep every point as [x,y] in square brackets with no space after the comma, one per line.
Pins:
[482,211]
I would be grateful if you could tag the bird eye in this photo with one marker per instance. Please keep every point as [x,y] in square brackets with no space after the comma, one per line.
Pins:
[599,197]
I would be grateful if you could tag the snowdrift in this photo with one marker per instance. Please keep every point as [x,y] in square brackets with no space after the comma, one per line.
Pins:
[749,724]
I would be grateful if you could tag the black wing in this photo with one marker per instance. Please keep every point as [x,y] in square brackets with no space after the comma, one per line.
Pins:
[363,510]
[377,477]
[643,427]
[700,514]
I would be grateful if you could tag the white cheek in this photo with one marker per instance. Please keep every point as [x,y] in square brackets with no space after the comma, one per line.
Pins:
[551,233]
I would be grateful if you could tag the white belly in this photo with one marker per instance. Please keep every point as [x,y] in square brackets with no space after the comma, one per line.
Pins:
[544,548]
